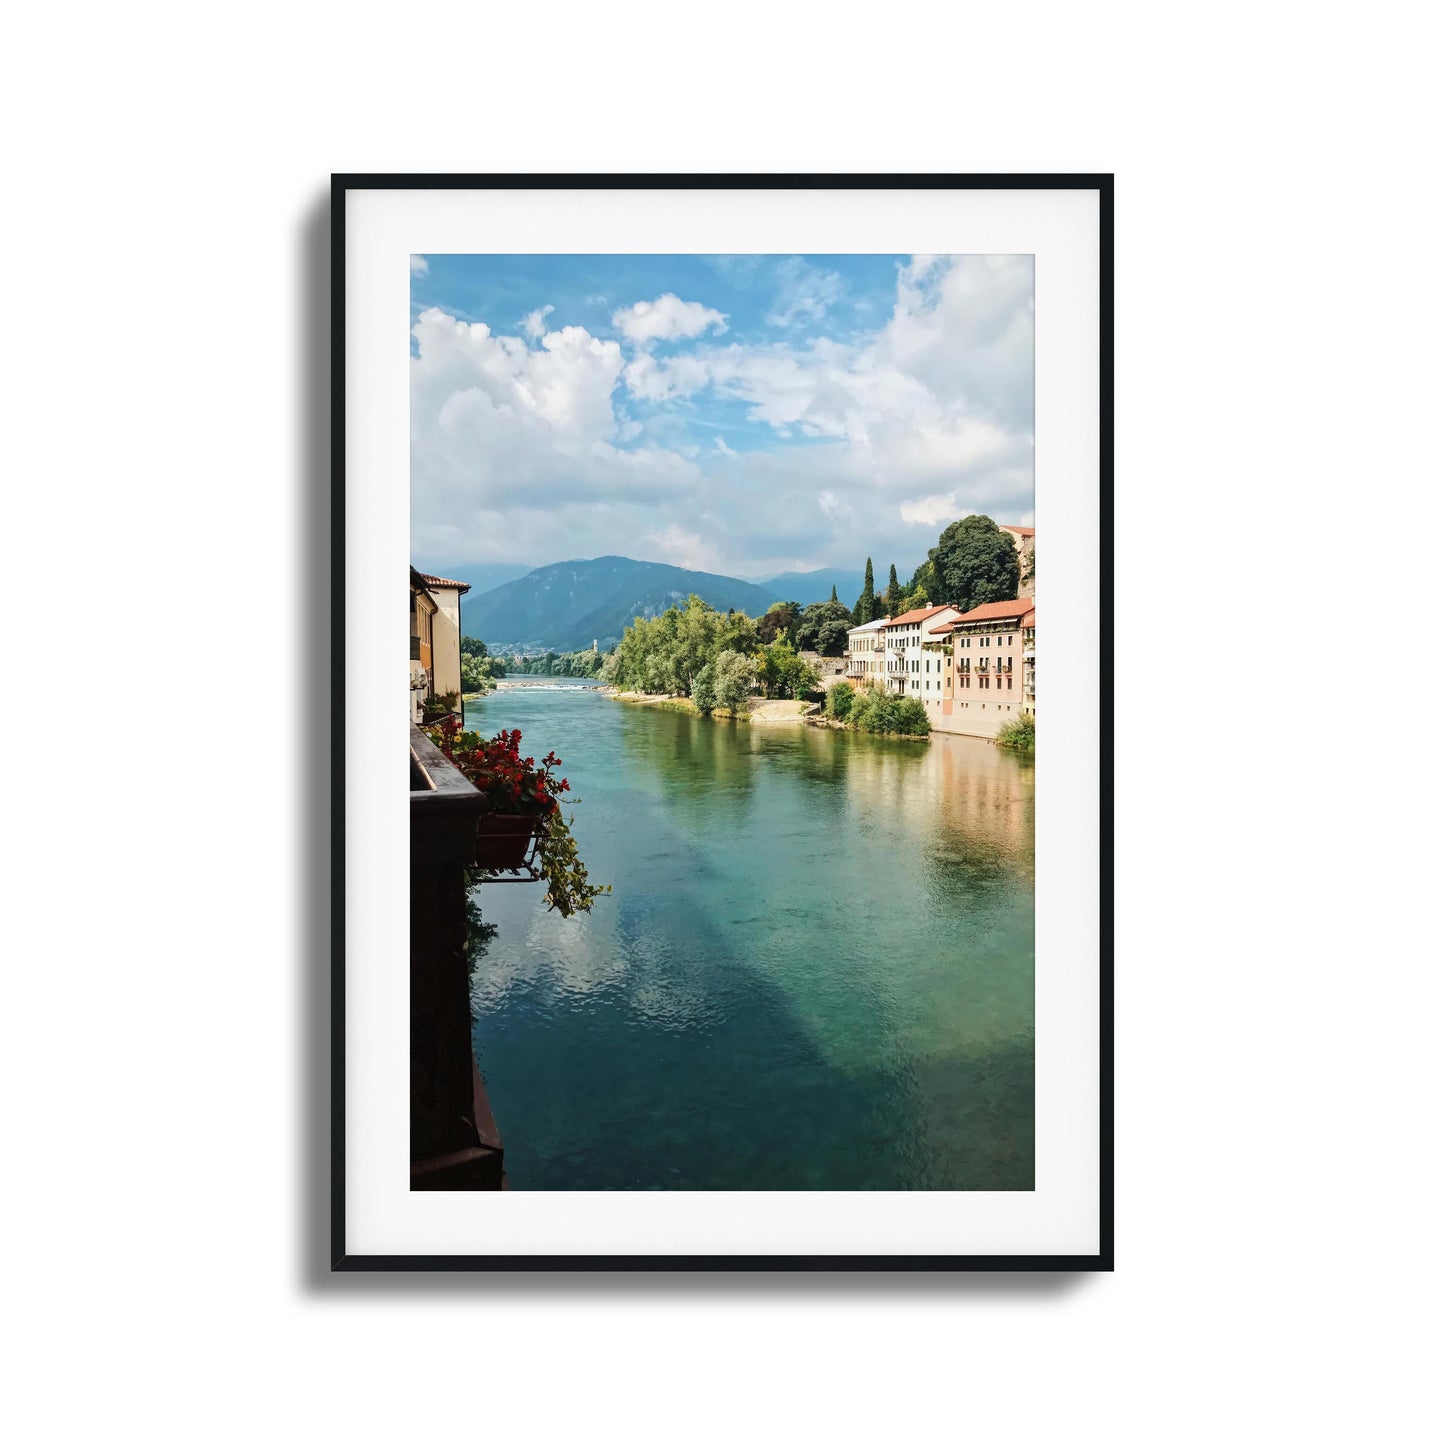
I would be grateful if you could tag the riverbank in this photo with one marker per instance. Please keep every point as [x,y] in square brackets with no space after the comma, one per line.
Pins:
[762,710]
[819,720]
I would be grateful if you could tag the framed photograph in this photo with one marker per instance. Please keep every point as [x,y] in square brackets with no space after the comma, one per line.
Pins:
[731,918]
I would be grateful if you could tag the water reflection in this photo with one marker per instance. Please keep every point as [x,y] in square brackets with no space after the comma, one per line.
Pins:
[815,970]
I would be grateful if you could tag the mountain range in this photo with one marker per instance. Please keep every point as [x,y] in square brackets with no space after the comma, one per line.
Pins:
[806,587]
[567,606]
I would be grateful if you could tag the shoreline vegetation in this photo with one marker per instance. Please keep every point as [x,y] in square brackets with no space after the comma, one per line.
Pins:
[695,659]
[755,710]
[1017,736]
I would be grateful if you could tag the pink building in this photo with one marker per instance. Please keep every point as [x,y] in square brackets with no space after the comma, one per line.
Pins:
[985,661]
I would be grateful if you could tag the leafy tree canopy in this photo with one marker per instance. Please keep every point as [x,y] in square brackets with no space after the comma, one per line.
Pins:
[823,627]
[975,563]
[780,620]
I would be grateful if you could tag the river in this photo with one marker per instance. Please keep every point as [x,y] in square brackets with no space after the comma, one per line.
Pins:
[815,969]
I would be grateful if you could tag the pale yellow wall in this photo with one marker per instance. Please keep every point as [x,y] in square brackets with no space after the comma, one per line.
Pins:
[446,640]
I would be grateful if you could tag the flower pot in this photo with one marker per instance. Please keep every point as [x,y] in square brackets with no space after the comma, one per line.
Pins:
[503,839]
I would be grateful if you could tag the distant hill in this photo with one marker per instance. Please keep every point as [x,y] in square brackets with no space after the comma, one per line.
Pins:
[569,604]
[806,587]
[482,576]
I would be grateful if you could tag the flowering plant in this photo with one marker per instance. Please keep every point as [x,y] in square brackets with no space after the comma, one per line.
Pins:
[516,785]
[498,771]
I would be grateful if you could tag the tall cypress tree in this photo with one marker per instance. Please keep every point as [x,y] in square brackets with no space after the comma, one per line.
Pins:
[894,595]
[864,612]
[834,597]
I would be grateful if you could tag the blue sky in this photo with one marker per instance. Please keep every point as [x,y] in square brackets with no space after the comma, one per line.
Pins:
[743,414]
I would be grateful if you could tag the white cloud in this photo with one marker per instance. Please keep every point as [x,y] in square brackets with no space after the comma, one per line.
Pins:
[534,323]
[507,437]
[682,548]
[575,447]
[419,266]
[666,319]
[804,292]
[930,511]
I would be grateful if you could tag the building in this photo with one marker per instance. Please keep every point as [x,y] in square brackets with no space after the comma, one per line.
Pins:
[1027,623]
[1023,540]
[912,670]
[865,655]
[831,670]
[436,631]
[986,661]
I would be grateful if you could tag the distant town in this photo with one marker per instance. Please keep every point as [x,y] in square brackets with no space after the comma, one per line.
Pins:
[900,660]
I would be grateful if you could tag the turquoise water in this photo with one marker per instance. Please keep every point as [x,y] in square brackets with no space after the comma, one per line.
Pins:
[815,970]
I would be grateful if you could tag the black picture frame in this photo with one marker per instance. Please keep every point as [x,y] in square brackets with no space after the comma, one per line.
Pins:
[341,1259]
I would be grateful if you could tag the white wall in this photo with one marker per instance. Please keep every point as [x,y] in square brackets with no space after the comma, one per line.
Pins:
[1278,1173]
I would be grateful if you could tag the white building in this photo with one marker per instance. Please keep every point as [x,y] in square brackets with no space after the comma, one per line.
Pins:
[865,653]
[910,671]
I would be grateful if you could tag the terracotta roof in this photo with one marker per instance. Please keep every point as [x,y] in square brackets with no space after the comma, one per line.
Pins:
[997,611]
[1022,531]
[919,614]
[947,627]
[444,582]
[1027,620]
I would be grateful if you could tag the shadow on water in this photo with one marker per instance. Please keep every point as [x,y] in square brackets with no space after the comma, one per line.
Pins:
[816,971]
[685,1067]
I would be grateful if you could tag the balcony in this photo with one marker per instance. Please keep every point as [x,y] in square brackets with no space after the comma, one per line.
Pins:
[897,668]
[454,1140]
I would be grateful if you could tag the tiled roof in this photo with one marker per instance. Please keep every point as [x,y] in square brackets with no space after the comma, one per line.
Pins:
[997,611]
[1027,620]
[947,627]
[444,582]
[1022,531]
[919,614]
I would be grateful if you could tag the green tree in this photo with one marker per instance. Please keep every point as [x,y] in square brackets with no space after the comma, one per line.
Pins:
[823,627]
[894,595]
[924,583]
[876,710]
[833,634]
[734,682]
[840,700]
[1017,735]
[834,597]
[783,673]
[704,689]
[866,611]
[975,563]
[473,647]
[476,673]
[780,620]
